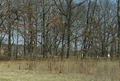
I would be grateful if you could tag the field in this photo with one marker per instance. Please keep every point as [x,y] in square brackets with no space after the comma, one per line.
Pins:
[56,70]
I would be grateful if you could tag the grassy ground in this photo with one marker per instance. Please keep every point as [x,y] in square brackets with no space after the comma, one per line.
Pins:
[55,70]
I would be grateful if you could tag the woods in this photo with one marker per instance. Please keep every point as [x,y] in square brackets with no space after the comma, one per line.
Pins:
[60,28]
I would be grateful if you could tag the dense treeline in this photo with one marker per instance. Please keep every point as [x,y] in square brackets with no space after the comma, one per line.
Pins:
[60,27]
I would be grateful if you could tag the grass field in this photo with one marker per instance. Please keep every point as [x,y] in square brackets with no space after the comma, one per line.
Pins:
[55,70]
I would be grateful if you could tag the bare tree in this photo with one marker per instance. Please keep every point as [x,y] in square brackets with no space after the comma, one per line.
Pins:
[66,8]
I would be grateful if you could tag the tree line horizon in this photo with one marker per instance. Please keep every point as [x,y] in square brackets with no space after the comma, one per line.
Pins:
[61,26]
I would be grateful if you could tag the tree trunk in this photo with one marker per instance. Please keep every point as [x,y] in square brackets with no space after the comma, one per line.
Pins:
[86,32]
[17,43]
[44,33]
[9,32]
[118,13]
[63,45]
[24,40]
[69,8]
[75,51]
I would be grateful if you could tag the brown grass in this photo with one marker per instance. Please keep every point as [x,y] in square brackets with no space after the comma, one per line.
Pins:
[9,64]
[88,69]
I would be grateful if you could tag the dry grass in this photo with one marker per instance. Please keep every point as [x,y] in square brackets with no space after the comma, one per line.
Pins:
[55,70]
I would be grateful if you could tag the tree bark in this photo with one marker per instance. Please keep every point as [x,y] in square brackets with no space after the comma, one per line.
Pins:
[44,33]
[9,32]
[118,13]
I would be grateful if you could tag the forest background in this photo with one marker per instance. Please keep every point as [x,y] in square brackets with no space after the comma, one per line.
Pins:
[59,28]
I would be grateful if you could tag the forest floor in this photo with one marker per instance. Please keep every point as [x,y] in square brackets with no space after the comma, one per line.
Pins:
[56,70]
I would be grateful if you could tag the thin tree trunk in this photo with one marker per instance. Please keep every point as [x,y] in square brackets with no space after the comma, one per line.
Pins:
[9,32]
[44,36]
[75,46]
[69,26]
[86,31]
[118,13]
[24,41]
[62,53]
[17,44]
